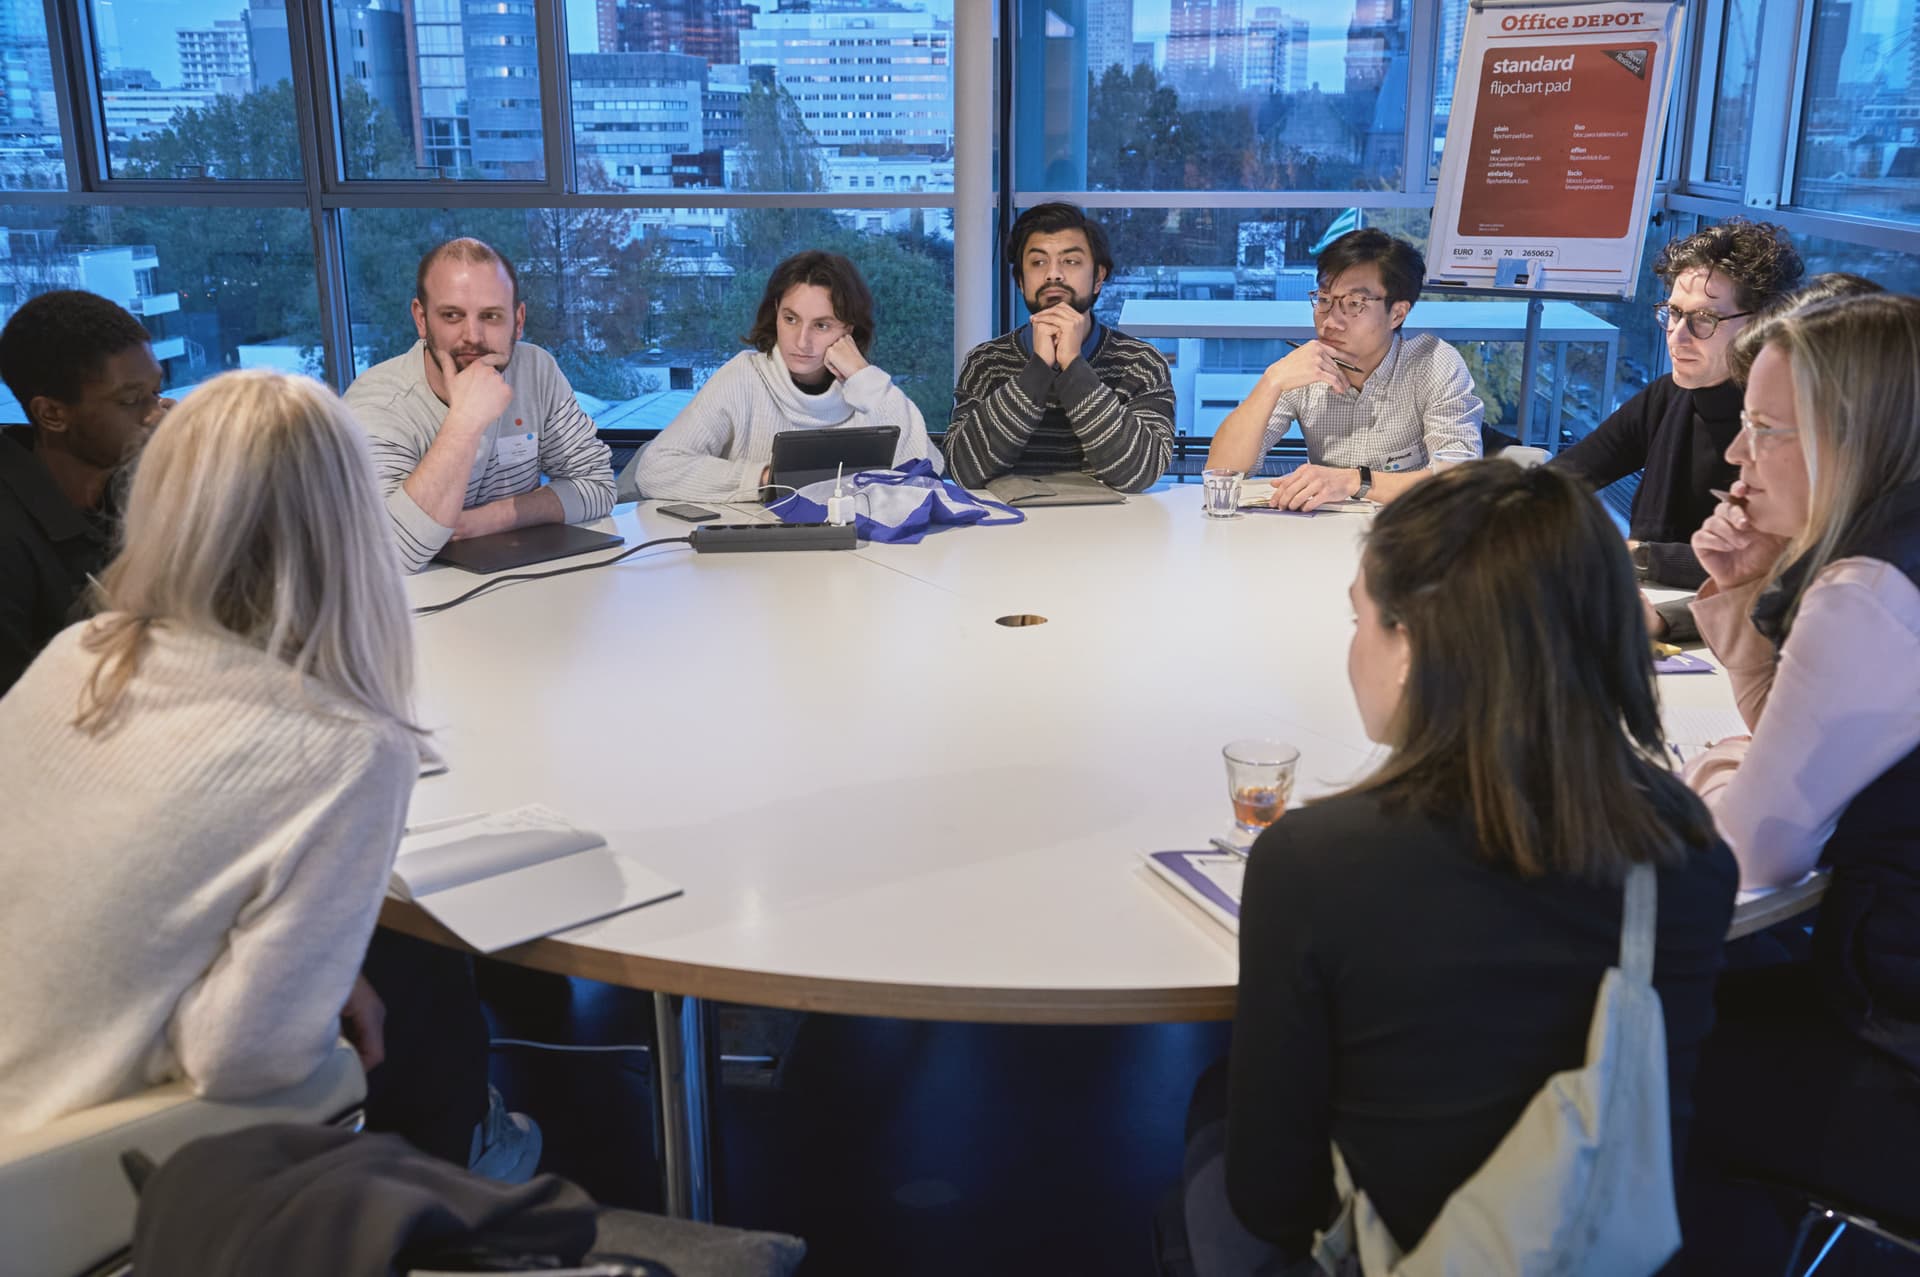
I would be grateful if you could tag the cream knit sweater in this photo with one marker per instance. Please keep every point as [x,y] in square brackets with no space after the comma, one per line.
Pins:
[715,449]
[190,892]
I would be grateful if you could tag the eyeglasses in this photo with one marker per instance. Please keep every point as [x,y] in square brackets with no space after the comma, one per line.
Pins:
[1756,438]
[1701,323]
[1352,305]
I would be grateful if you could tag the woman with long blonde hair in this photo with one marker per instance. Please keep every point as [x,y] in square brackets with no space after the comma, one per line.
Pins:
[206,782]
[1813,1072]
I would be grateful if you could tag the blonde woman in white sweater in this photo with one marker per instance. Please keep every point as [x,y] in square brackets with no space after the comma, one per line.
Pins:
[205,784]
[807,370]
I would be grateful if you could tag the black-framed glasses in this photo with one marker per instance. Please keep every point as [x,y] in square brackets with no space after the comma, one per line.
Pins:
[1701,323]
[1352,305]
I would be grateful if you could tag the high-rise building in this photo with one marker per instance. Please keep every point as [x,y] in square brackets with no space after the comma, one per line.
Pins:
[26,74]
[1143,52]
[861,75]
[1205,46]
[268,51]
[1109,36]
[706,29]
[503,89]
[370,47]
[1377,33]
[215,59]
[634,113]
[443,136]
[1276,52]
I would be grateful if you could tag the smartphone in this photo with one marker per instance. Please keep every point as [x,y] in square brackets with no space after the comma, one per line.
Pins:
[691,513]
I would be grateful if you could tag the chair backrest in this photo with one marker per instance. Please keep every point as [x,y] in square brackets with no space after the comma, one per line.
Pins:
[65,1203]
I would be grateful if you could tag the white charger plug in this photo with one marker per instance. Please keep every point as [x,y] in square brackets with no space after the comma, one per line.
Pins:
[840,504]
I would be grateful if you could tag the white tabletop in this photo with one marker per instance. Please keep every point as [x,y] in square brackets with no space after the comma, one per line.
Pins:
[878,800]
[1452,320]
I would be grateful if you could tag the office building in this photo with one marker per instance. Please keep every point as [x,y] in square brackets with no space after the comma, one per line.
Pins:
[634,113]
[865,75]
[215,59]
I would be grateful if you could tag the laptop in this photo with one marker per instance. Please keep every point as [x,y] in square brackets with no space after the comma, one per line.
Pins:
[801,457]
[503,551]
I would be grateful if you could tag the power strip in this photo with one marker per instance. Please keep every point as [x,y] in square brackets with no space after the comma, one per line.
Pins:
[711,538]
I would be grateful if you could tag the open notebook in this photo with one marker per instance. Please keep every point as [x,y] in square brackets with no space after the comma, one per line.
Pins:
[503,878]
[1210,879]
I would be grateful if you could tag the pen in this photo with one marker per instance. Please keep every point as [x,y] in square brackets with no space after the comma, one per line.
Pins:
[1224,845]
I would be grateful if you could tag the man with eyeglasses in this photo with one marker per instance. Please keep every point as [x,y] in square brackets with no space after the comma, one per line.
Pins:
[1676,431]
[1379,411]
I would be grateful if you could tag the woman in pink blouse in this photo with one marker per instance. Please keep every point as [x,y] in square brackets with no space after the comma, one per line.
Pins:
[1813,1074]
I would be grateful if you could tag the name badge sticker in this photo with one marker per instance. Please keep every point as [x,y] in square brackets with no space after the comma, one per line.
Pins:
[516,448]
[1403,460]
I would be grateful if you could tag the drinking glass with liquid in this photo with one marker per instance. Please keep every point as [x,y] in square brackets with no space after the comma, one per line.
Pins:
[1221,492]
[1259,781]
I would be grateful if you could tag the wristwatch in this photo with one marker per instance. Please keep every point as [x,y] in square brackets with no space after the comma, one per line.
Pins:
[1366,483]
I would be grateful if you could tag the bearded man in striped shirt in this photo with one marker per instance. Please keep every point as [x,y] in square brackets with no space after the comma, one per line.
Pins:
[1064,392]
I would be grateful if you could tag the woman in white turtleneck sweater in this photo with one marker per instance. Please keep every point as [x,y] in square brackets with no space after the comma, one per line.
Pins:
[808,370]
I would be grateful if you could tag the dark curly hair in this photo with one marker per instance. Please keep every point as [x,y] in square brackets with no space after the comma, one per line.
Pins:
[852,300]
[1757,256]
[59,341]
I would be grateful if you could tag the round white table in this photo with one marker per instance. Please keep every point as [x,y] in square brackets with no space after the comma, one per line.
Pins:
[878,800]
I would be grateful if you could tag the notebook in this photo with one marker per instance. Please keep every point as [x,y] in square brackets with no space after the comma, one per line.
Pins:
[507,877]
[1210,879]
[1065,487]
[503,551]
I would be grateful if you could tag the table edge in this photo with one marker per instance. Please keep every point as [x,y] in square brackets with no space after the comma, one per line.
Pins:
[894,1000]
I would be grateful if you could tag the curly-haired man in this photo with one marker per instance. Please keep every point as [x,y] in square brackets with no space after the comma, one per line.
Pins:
[1677,430]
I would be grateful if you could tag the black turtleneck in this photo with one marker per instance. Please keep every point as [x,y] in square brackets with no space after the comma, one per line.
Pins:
[813,387]
[1679,438]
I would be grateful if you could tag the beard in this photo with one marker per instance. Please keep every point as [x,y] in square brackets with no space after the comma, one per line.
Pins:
[463,355]
[1054,295]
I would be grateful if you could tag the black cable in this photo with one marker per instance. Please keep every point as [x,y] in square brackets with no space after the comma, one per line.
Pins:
[484,586]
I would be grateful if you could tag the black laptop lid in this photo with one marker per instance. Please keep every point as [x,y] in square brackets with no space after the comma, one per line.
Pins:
[502,551]
[801,457]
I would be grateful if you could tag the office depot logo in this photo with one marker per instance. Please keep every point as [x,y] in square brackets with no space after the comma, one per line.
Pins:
[1572,22]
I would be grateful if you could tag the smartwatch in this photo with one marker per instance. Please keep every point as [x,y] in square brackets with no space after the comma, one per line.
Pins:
[1366,483]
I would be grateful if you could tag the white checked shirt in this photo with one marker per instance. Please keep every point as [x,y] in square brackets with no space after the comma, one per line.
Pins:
[1418,407]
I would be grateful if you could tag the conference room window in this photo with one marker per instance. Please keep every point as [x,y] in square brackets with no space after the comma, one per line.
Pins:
[32,152]
[1446,72]
[445,91]
[1732,105]
[1194,95]
[1859,138]
[762,98]
[215,288]
[193,90]
[640,305]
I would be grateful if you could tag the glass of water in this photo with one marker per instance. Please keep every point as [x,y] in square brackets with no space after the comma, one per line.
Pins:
[1221,489]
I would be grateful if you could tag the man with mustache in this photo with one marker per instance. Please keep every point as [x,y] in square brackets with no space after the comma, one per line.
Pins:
[466,423]
[1066,392]
[1380,411]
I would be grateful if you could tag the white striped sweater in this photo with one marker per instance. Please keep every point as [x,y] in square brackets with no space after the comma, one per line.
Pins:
[542,432]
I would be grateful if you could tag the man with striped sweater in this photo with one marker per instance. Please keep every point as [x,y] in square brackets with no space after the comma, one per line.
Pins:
[1065,392]
[465,424]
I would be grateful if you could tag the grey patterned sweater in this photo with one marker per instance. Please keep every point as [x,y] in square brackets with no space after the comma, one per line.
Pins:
[1109,414]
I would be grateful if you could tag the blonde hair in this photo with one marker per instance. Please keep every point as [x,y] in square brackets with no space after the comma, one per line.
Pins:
[254,512]
[1856,384]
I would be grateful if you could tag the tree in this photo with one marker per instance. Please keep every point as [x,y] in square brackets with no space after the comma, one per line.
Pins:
[780,156]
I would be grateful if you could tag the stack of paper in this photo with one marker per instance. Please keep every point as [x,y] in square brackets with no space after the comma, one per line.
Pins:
[502,879]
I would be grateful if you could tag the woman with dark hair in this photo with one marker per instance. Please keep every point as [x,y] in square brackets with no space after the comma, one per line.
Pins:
[807,370]
[1422,951]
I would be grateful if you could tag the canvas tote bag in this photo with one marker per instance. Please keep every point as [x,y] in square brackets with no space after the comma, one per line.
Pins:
[1582,1184]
